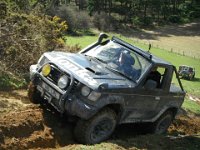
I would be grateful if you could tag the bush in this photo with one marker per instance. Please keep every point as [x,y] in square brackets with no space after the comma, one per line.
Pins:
[11,82]
[8,80]
[136,21]
[147,21]
[185,20]
[195,14]
[25,37]
[77,20]
[82,21]
[105,22]
[174,19]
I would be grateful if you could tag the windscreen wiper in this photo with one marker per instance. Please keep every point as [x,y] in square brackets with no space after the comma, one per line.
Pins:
[121,73]
[96,58]
[99,59]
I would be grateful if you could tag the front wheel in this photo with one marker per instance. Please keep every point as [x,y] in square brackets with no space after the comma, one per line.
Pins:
[96,129]
[162,124]
[33,94]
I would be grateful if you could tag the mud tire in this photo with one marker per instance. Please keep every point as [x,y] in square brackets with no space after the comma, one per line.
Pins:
[33,94]
[163,123]
[97,129]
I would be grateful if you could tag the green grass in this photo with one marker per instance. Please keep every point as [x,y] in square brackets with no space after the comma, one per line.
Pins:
[191,106]
[192,87]
[7,82]
[82,41]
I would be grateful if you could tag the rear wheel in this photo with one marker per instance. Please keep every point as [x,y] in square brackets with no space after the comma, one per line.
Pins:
[162,124]
[96,129]
[33,94]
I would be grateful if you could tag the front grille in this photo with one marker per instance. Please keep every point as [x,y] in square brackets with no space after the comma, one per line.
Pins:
[75,86]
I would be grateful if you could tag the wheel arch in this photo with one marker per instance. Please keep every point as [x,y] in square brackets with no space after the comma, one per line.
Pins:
[116,107]
[173,109]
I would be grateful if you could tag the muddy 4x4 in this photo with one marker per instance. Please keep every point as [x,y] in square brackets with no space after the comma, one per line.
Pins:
[186,72]
[108,83]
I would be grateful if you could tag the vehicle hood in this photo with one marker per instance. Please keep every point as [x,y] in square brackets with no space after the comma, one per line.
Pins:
[89,71]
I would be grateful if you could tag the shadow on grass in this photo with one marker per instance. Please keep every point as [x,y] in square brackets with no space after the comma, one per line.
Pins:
[81,33]
[196,79]
[191,29]
[193,80]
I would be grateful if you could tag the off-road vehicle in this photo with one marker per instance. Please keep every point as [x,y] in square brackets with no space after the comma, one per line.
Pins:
[108,83]
[186,72]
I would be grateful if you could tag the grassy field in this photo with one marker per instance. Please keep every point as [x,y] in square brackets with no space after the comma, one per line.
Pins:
[191,106]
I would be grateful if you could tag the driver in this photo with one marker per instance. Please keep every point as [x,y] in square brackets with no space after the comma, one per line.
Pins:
[125,64]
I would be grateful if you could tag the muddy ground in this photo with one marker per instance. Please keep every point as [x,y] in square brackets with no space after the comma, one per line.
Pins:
[27,126]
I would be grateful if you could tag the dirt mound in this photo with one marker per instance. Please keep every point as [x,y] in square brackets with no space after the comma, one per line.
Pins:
[24,129]
[185,125]
[38,128]
[13,100]
[41,127]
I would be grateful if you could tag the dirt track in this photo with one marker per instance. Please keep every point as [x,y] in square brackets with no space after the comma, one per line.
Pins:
[27,126]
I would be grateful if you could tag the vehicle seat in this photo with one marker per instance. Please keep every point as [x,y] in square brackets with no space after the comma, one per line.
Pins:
[156,76]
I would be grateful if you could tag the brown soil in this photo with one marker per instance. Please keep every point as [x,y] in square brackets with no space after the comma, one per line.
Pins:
[27,126]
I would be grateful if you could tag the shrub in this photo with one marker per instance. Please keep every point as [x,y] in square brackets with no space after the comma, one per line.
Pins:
[82,21]
[25,37]
[147,21]
[105,22]
[136,21]
[8,80]
[174,19]
[77,20]
[195,13]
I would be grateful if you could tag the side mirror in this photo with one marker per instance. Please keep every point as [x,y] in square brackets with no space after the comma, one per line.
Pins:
[150,84]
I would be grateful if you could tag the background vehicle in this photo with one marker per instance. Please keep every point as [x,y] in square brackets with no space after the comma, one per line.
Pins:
[186,72]
[108,83]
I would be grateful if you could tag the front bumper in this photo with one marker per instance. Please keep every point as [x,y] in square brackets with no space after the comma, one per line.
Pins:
[61,100]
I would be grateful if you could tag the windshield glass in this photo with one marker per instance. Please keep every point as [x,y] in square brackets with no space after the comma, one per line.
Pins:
[120,59]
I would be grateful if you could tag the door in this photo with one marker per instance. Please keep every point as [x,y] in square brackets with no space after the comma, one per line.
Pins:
[144,102]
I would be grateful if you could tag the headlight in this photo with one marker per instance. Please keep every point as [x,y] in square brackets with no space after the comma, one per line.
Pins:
[85,91]
[46,70]
[94,96]
[63,81]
